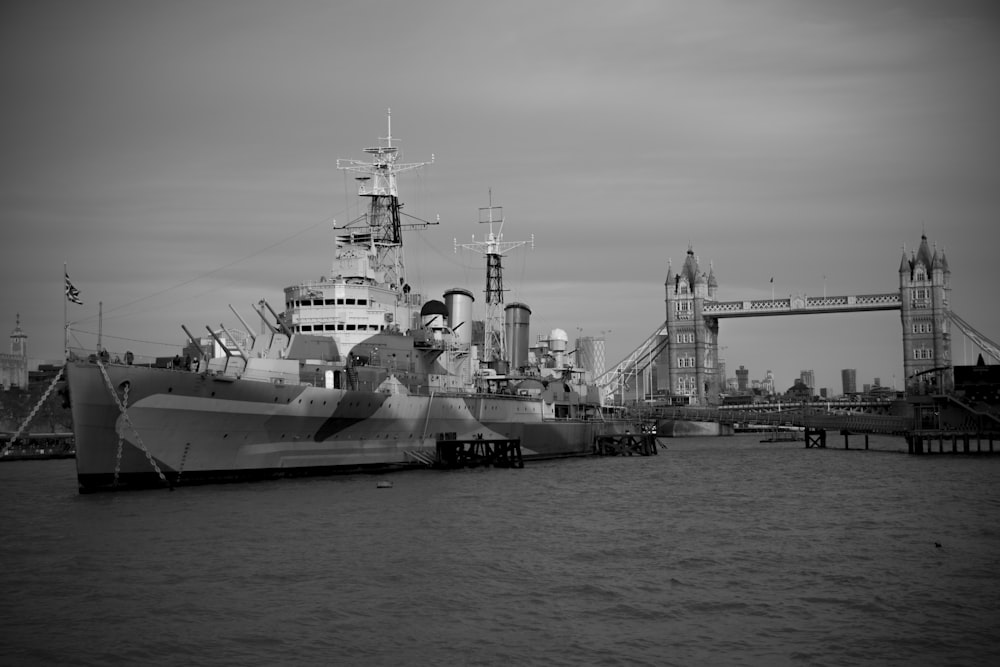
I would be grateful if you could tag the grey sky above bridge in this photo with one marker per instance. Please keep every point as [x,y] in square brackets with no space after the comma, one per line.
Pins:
[181,156]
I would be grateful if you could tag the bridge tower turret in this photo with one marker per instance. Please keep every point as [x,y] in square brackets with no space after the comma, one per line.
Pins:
[689,361]
[924,292]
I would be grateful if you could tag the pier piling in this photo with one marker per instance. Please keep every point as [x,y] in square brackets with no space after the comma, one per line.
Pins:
[479,452]
[815,438]
[629,444]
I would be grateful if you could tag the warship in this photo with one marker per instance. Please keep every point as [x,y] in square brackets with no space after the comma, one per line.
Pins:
[356,373]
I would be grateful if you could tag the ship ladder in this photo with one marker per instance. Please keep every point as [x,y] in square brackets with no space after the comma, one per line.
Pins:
[34,411]
[128,421]
[352,377]
[424,458]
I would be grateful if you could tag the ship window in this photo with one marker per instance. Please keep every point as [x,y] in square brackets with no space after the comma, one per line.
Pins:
[340,302]
[349,302]
[362,302]
[330,327]
[331,302]
[350,327]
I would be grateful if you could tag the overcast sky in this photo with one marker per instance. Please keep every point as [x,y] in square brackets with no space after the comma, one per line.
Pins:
[181,156]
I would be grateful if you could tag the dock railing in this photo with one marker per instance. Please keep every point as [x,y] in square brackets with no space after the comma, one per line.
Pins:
[814,418]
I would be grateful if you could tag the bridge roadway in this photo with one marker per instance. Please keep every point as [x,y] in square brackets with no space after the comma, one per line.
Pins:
[809,416]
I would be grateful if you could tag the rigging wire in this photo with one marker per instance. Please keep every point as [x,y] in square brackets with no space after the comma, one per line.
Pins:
[130,340]
[213,271]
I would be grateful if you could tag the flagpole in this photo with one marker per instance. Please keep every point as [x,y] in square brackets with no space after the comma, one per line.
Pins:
[65,323]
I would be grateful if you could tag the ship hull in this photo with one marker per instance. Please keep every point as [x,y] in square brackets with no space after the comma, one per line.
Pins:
[183,428]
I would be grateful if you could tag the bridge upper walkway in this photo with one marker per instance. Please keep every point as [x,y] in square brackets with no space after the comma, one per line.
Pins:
[802,305]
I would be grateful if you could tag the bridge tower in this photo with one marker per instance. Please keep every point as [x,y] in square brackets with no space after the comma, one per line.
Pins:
[924,292]
[688,367]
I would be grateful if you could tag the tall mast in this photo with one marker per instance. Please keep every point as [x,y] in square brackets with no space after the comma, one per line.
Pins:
[378,182]
[494,247]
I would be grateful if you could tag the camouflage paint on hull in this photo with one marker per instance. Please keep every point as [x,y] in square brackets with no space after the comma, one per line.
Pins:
[200,428]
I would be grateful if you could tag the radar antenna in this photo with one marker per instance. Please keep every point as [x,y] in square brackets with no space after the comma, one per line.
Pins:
[494,247]
[378,181]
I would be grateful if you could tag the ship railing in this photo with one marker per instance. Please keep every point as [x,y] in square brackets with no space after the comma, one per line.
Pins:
[126,358]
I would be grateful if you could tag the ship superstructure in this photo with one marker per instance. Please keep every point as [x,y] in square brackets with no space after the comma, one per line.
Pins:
[366,290]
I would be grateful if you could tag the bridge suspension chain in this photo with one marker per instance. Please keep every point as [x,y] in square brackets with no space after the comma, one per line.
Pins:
[636,362]
[984,343]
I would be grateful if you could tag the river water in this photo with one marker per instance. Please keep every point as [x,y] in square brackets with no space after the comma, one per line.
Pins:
[719,551]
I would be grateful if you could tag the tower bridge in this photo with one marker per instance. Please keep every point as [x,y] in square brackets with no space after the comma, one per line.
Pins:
[680,358]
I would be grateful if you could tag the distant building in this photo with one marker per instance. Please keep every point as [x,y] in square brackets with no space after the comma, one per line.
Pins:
[742,379]
[979,383]
[14,366]
[849,380]
[808,378]
[767,384]
[590,354]
[800,391]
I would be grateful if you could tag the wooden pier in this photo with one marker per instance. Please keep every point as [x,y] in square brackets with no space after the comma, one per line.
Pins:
[953,442]
[479,452]
[816,437]
[628,444]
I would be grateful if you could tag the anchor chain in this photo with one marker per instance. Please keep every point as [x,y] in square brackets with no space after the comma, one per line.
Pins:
[127,420]
[34,410]
[121,437]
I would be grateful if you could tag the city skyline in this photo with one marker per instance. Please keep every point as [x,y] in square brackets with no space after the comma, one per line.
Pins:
[182,158]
